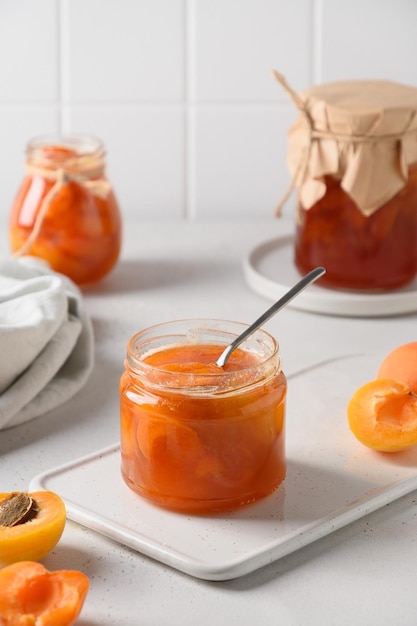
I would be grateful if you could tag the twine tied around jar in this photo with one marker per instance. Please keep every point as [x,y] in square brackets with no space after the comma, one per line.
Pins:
[89,168]
[353,163]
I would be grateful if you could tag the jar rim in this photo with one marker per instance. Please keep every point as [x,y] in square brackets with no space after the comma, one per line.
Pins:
[91,143]
[194,331]
[64,150]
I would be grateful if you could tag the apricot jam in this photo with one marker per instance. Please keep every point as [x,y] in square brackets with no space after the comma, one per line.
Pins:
[65,211]
[196,437]
[374,252]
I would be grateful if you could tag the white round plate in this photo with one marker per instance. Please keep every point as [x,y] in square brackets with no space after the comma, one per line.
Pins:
[270,271]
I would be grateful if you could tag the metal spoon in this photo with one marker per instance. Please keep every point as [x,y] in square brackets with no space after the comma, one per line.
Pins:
[286,298]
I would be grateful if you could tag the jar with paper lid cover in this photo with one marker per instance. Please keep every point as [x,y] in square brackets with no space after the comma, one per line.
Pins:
[65,211]
[353,158]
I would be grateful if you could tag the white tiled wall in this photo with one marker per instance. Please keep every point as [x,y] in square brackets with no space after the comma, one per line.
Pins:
[180,91]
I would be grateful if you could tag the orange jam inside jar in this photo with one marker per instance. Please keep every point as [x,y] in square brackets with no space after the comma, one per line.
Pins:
[196,437]
[359,252]
[65,211]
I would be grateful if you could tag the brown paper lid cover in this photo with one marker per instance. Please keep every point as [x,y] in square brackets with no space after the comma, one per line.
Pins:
[364,133]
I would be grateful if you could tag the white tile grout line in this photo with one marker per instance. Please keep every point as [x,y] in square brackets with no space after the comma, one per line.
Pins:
[63,58]
[189,121]
[317,44]
[58,63]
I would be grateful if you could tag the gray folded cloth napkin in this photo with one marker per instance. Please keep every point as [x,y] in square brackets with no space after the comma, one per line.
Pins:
[46,340]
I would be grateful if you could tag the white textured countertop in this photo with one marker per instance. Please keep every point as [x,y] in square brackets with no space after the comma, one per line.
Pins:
[364,573]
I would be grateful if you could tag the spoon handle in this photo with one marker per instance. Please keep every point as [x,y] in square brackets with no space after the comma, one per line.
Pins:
[279,304]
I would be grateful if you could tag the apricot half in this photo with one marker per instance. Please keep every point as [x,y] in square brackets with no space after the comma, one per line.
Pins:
[31,524]
[30,595]
[401,364]
[382,414]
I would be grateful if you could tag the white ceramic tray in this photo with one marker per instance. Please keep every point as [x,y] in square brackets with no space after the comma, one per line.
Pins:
[270,271]
[331,481]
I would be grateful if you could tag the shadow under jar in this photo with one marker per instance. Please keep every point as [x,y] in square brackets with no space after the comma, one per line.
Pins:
[196,437]
[353,156]
[65,211]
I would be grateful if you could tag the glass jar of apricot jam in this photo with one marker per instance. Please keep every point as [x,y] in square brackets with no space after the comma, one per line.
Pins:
[196,437]
[65,211]
[353,159]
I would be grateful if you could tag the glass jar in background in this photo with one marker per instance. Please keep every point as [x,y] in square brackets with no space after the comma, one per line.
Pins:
[353,157]
[196,437]
[65,211]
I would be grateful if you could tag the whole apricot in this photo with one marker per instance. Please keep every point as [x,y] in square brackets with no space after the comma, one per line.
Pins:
[382,414]
[401,364]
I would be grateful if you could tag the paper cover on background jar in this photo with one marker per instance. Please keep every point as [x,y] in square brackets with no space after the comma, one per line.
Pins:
[363,133]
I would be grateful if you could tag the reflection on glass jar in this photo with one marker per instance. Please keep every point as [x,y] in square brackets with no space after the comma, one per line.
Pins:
[65,211]
[196,437]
